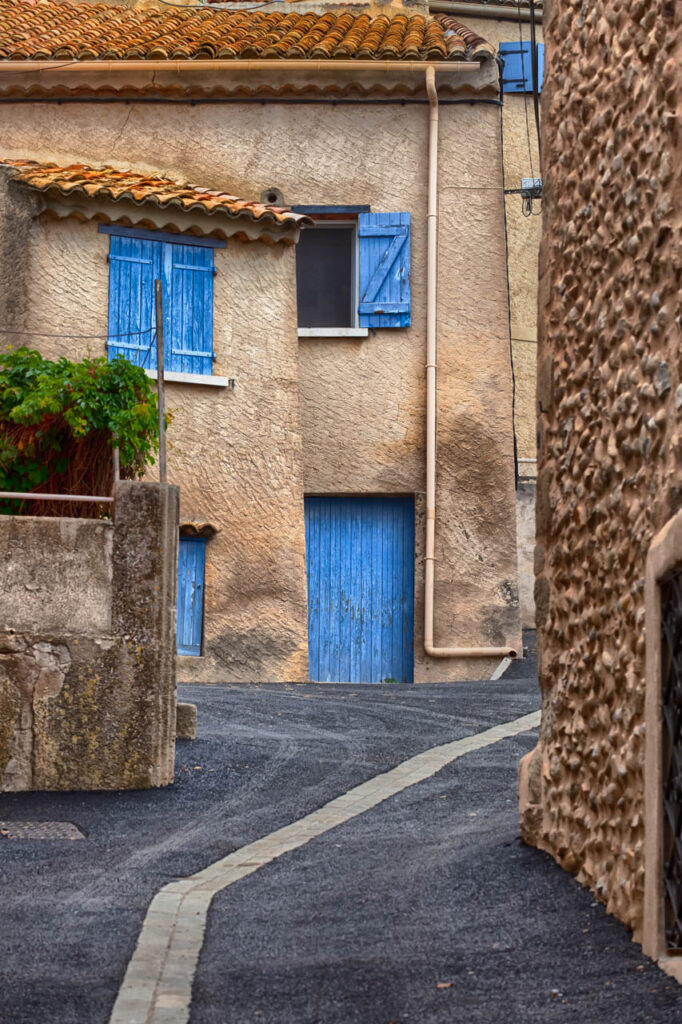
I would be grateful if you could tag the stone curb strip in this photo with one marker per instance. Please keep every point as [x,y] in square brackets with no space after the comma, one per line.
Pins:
[157,988]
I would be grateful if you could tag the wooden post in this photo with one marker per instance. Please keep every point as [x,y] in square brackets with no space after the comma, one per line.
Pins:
[159,381]
[117,465]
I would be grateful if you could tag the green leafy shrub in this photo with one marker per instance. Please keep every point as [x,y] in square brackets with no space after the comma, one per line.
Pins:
[59,422]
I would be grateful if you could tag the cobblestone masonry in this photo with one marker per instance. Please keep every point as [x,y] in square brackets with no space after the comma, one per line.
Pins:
[610,438]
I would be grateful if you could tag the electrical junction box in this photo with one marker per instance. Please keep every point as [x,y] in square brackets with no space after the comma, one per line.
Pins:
[533,185]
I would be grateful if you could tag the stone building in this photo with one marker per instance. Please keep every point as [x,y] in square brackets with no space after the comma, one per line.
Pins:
[597,793]
[297,319]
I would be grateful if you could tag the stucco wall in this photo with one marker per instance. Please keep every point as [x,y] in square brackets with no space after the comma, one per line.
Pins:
[87,636]
[609,394]
[521,160]
[236,454]
[361,402]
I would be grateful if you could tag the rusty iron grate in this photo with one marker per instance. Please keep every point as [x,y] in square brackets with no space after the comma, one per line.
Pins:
[671,700]
[39,830]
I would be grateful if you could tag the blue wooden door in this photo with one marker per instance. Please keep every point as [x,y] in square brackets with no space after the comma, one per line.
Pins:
[360,564]
[191,552]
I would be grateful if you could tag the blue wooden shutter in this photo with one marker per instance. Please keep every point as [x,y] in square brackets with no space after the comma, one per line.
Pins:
[188,308]
[384,254]
[133,265]
[190,617]
[186,274]
[517,75]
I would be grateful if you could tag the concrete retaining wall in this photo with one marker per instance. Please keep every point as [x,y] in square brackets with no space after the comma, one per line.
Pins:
[87,646]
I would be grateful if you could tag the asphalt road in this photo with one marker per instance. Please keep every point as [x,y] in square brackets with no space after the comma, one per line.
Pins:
[432,888]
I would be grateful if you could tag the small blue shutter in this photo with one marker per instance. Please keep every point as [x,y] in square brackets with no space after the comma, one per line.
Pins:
[186,275]
[190,618]
[517,75]
[134,263]
[188,312]
[384,254]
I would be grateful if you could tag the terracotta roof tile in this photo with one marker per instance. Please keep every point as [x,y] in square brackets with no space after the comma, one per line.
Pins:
[457,36]
[110,184]
[61,30]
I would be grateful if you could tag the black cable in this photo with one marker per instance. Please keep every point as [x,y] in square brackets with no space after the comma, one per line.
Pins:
[76,337]
[536,79]
[509,319]
[525,100]
[302,101]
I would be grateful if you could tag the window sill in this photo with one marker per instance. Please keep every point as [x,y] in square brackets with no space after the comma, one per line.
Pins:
[333,332]
[170,377]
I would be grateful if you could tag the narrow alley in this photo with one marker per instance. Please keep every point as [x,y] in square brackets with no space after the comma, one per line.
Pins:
[412,911]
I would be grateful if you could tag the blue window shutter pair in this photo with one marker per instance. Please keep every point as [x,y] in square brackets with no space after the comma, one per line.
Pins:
[384,256]
[517,74]
[186,275]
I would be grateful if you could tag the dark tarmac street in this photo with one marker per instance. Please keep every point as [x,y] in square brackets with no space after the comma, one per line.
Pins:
[426,909]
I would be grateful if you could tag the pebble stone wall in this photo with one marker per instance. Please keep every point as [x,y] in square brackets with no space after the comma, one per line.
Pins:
[609,423]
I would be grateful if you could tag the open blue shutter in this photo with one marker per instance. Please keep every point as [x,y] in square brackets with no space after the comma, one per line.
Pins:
[133,265]
[384,253]
[186,273]
[541,66]
[188,308]
[190,612]
[517,75]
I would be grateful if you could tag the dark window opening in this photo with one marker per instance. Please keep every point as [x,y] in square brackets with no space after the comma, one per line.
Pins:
[324,277]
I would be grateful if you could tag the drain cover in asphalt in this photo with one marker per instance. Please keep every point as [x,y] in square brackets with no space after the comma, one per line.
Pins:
[39,830]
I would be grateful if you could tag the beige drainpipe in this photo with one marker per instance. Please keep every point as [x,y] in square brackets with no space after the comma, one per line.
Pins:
[184,67]
[484,10]
[431,392]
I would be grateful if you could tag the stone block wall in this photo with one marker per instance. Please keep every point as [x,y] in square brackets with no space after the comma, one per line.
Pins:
[87,646]
[609,432]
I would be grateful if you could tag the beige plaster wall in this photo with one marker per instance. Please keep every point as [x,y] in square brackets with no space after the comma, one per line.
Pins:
[609,394]
[521,160]
[362,402]
[236,454]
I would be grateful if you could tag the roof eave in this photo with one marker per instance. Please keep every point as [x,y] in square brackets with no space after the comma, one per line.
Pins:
[148,214]
[268,78]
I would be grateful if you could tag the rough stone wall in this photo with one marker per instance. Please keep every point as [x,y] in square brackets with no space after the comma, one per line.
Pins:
[64,583]
[87,646]
[610,442]
[237,455]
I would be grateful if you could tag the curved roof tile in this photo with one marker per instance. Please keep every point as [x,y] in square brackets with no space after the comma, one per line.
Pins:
[111,184]
[93,30]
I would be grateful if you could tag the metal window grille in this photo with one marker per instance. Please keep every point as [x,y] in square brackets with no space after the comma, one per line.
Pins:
[671,699]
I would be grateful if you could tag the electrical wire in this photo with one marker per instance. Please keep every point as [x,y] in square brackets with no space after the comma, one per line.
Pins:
[535,79]
[525,99]
[52,67]
[76,337]
[509,316]
[235,7]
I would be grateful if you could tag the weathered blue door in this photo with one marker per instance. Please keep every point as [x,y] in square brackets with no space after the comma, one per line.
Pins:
[191,552]
[360,562]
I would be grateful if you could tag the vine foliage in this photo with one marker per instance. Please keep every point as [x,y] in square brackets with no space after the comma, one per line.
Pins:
[59,423]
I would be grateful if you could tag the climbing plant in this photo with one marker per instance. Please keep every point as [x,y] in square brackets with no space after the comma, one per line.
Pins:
[59,423]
